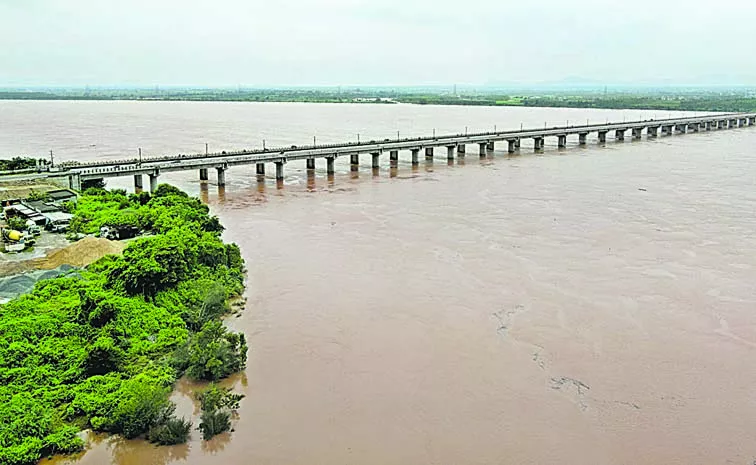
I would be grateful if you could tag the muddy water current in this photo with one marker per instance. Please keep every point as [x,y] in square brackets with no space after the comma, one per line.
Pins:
[593,305]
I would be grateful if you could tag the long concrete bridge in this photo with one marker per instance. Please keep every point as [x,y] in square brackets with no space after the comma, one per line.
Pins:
[455,145]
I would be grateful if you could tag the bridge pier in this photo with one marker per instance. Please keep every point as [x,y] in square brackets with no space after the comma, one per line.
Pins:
[153,182]
[310,164]
[415,156]
[260,170]
[743,122]
[562,141]
[582,138]
[429,153]
[461,150]
[450,152]
[330,162]
[637,133]
[202,174]
[693,127]
[490,146]
[732,123]
[74,181]
[376,160]
[279,171]
[482,148]
[751,121]
[681,128]
[354,162]
[138,183]
[511,145]
[721,124]
[619,134]
[602,137]
[221,176]
[708,126]
[652,131]
[538,143]
[394,158]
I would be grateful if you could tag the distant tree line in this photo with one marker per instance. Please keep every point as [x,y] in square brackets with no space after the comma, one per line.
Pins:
[21,163]
[651,100]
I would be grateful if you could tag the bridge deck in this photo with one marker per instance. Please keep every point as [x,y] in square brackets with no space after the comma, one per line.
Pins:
[151,165]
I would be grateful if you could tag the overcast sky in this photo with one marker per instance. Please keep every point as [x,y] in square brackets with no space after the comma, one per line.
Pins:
[375,42]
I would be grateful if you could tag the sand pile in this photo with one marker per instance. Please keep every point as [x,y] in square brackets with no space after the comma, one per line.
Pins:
[81,253]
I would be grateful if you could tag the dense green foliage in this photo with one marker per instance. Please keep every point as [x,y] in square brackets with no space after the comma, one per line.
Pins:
[216,397]
[217,405]
[173,431]
[20,163]
[214,422]
[16,222]
[103,348]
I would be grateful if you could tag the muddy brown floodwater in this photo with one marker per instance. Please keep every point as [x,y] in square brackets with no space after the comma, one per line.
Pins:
[589,306]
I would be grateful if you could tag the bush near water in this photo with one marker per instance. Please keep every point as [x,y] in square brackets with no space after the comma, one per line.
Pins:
[102,349]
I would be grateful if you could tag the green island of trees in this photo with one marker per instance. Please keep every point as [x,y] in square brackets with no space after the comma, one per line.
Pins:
[102,347]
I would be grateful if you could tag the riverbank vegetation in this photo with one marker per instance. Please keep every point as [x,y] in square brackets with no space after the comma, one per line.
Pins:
[101,347]
[20,163]
[687,99]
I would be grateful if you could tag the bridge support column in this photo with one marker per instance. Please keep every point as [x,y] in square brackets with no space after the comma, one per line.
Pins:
[511,145]
[221,176]
[490,146]
[310,164]
[482,148]
[651,131]
[619,134]
[694,127]
[203,175]
[461,150]
[279,171]
[429,153]
[138,183]
[602,137]
[415,155]
[722,124]
[376,160]
[260,170]
[637,133]
[562,141]
[330,161]
[74,181]
[354,162]
[743,122]
[751,121]
[582,138]
[450,152]
[153,182]
[732,123]
[394,158]
[708,126]
[538,143]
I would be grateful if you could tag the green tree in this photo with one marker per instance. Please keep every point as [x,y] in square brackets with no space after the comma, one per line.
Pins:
[215,353]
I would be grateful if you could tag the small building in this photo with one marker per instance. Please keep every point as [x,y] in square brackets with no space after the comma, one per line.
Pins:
[60,196]
[40,206]
[26,213]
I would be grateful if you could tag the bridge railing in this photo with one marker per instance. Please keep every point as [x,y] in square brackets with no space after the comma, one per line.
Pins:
[295,148]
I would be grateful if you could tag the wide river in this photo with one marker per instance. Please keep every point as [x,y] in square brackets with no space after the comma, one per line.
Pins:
[593,305]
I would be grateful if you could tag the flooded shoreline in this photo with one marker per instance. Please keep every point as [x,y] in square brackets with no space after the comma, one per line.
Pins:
[587,306]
